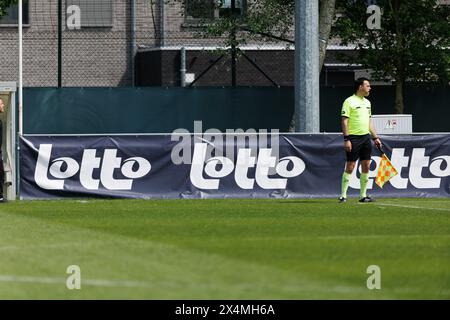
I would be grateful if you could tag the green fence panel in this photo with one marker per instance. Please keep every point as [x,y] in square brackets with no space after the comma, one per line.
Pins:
[160,110]
[153,110]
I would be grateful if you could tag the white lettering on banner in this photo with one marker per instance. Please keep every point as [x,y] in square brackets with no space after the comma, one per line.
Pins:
[72,168]
[40,173]
[399,161]
[106,174]
[265,162]
[245,161]
[418,162]
[436,164]
[89,162]
[439,168]
[250,167]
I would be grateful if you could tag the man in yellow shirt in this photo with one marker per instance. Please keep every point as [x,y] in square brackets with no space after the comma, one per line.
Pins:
[358,130]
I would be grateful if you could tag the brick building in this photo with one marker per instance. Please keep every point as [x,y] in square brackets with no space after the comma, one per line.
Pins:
[98,54]
[106,51]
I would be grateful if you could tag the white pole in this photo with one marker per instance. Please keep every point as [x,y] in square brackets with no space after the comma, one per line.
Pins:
[20,69]
[307,70]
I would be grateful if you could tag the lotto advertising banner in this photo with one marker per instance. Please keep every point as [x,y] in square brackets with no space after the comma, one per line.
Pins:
[216,165]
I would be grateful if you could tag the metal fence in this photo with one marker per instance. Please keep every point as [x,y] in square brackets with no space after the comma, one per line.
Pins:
[138,42]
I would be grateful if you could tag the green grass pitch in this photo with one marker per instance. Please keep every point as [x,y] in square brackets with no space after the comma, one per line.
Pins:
[225,249]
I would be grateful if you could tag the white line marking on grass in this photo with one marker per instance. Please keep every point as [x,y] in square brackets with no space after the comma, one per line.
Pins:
[378,236]
[411,207]
[84,282]
[53,245]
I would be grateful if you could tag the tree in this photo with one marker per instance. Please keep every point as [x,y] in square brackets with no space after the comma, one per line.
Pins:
[412,44]
[267,20]
[4,4]
[264,20]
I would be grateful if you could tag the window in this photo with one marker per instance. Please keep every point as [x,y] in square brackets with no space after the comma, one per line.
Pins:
[94,13]
[12,14]
[197,10]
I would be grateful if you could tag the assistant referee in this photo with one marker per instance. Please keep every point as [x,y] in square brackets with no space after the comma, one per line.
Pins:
[358,130]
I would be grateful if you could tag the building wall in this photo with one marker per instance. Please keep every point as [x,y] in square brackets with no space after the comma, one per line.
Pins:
[161,67]
[178,31]
[90,56]
[98,56]
[101,56]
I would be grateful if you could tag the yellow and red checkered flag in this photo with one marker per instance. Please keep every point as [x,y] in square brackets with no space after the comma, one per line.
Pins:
[386,171]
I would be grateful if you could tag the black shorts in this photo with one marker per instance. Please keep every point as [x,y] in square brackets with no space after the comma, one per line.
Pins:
[361,148]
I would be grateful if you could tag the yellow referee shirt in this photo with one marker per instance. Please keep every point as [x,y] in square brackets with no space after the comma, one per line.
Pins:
[358,111]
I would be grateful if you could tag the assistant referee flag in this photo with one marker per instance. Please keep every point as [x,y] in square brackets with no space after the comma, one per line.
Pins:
[386,171]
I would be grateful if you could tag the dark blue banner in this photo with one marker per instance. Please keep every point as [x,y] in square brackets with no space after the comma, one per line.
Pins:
[216,165]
